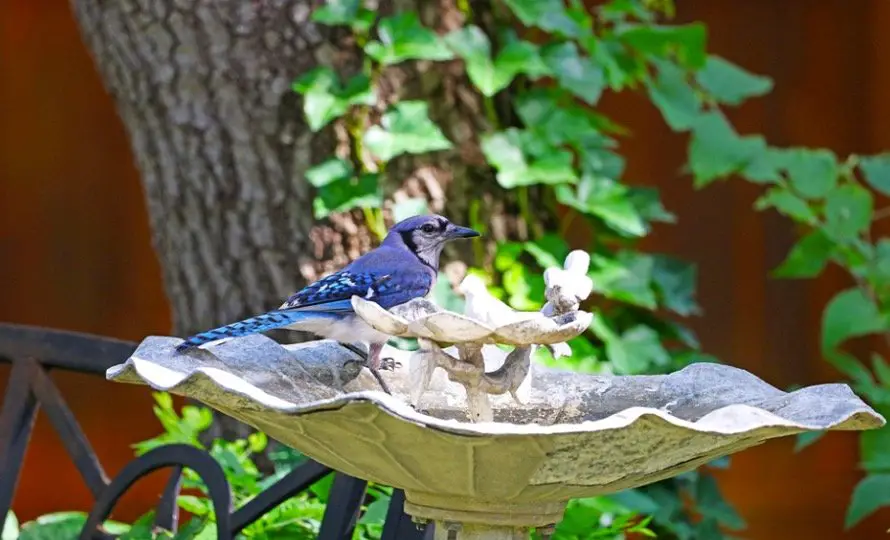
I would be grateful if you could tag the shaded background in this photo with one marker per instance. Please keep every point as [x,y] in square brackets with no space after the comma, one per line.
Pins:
[75,251]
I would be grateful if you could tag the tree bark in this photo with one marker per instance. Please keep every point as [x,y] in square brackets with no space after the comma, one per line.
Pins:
[220,140]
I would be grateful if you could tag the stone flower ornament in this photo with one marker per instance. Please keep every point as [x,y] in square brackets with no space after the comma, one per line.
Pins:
[499,444]
[487,322]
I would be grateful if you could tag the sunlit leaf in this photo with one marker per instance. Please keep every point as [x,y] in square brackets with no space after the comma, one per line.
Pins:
[405,129]
[729,83]
[403,37]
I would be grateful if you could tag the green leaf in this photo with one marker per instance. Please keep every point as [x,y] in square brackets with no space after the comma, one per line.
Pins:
[329,171]
[10,527]
[729,83]
[871,493]
[53,526]
[806,439]
[876,170]
[882,370]
[343,195]
[675,280]
[671,93]
[879,273]
[472,45]
[850,366]
[257,442]
[607,199]
[405,129]
[873,445]
[848,212]
[324,99]
[813,173]
[409,207]
[517,57]
[376,512]
[627,278]
[648,203]
[635,351]
[507,152]
[787,203]
[849,314]
[808,257]
[403,37]
[577,74]
[345,13]
[710,503]
[716,150]
[550,15]
[526,288]
[687,41]
[549,251]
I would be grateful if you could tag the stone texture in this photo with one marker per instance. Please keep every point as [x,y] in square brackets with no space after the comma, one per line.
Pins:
[578,435]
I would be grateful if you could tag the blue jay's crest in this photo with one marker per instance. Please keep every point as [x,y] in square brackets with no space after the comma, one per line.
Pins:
[403,268]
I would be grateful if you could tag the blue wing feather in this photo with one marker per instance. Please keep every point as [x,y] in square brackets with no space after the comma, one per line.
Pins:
[383,276]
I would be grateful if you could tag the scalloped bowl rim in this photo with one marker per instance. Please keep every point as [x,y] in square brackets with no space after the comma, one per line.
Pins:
[403,412]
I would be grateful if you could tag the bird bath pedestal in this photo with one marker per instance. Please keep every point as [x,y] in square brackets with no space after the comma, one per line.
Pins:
[485,443]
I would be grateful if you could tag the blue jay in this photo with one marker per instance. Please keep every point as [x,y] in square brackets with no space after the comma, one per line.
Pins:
[403,267]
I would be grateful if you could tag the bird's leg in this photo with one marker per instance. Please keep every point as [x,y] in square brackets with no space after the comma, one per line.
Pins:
[381,364]
[372,359]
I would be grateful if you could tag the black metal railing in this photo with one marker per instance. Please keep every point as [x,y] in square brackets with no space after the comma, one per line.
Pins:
[34,352]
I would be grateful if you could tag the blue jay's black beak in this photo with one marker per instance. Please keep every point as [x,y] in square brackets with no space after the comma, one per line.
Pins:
[461,232]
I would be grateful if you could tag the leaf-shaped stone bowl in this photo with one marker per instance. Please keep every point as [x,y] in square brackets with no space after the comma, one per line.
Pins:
[579,435]
[421,318]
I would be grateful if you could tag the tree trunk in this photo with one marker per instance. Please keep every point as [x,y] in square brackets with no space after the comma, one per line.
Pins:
[220,140]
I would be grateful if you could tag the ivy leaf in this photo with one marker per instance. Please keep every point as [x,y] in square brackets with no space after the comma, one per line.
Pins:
[716,150]
[635,351]
[345,194]
[324,99]
[871,493]
[329,171]
[675,280]
[508,151]
[550,15]
[876,170]
[576,73]
[687,41]
[517,57]
[405,129]
[648,203]
[849,314]
[808,257]
[473,46]
[409,207]
[345,13]
[549,251]
[403,37]
[729,83]
[525,288]
[606,199]
[710,503]
[678,102]
[873,446]
[786,203]
[880,267]
[627,278]
[813,173]
[848,212]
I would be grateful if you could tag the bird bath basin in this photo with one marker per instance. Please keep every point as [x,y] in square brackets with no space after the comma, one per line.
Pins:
[533,438]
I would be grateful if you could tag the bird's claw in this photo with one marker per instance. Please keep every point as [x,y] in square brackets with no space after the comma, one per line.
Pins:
[389,364]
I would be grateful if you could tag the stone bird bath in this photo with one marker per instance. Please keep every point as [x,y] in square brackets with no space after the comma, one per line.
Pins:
[493,445]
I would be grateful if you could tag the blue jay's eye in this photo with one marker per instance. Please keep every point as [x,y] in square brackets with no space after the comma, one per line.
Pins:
[428,228]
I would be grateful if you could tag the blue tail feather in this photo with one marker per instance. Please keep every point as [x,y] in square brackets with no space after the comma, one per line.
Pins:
[253,325]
